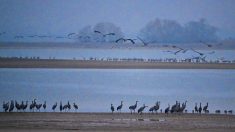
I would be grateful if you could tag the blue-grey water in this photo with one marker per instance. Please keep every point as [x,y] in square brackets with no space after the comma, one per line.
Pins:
[95,89]
[112,53]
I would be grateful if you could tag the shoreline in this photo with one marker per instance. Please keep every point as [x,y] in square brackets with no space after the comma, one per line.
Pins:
[94,64]
[53,122]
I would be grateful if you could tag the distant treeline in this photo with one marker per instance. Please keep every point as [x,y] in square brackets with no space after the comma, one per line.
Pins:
[156,31]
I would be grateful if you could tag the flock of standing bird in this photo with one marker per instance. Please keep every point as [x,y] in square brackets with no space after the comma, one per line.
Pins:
[176,108]
[34,106]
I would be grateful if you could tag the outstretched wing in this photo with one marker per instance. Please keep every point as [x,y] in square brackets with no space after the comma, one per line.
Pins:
[70,34]
[132,41]
[109,34]
[201,54]
[119,40]
[145,44]
[177,51]
[97,32]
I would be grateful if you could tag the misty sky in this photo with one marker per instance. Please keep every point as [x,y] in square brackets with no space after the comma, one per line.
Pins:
[56,17]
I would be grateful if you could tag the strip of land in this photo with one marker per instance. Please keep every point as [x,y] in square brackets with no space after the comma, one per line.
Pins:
[50,63]
[54,122]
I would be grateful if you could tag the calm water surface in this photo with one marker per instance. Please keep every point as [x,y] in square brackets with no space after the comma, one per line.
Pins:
[95,89]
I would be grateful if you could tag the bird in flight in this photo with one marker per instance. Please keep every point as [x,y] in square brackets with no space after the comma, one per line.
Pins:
[104,35]
[128,39]
[2,33]
[32,36]
[145,44]
[201,54]
[70,34]
[208,45]
[19,37]
[180,49]
[203,58]
[212,52]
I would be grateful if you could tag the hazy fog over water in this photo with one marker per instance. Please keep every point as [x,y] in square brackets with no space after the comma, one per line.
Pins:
[26,17]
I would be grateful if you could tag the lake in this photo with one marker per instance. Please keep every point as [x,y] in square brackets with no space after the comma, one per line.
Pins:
[95,89]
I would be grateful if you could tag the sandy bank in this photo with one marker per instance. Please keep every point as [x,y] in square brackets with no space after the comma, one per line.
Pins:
[46,63]
[114,122]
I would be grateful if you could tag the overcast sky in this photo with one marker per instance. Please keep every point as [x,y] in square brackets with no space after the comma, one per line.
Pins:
[63,16]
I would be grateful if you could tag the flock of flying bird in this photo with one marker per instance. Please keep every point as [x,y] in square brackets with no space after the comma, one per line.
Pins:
[10,106]
[176,108]
[176,50]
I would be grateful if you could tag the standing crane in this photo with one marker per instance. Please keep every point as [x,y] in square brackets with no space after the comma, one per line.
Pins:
[133,107]
[119,108]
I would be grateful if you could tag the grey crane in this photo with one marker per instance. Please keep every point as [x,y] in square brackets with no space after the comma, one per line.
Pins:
[21,105]
[65,107]
[44,105]
[200,108]
[230,111]
[180,49]
[151,109]
[225,111]
[196,108]
[11,106]
[207,111]
[177,108]
[157,106]
[70,34]
[167,109]
[119,108]
[141,109]
[54,106]
[183,107]
[205,107]
[104,35]
[112,108]
[212,52]
[201,54]
[5,106]
[69,106]
[38,106]
[145,43]
[174,107]
[61,106]
[32,105]
[126,39]
[217,111]
[75,106]
[17,105]
[133,107]
[24,107]
[208,45]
